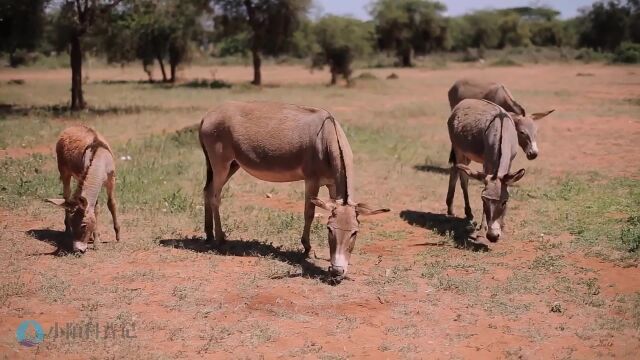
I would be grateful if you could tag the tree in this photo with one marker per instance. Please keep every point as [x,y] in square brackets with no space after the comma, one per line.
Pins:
[513,31]
[270,24]
[21,26]
[74,20]
[409,26]
[341,39]
[605,25]
[152,30]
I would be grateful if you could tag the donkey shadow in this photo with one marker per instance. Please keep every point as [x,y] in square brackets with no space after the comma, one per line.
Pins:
[254,248]
[52,237]
[460,229]
[433,169]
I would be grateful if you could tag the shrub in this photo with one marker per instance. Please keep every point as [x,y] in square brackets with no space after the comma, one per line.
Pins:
[628,53]
[631,234]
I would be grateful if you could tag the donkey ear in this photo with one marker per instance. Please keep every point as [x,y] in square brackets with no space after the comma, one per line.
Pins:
[513,178]
[541,115]
[329,206]
[366,210]
[59,202]
[478,175]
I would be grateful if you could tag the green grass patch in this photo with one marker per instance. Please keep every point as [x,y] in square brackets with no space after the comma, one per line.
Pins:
[602,215]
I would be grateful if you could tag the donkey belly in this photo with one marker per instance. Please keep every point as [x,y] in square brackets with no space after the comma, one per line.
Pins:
[273,166]
[274,175]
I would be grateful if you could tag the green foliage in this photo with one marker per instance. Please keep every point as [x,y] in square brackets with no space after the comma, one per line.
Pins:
[596,214]
[341,39]
[21,27]
[152,31]
[410,26]
[270,23]
[628,53]
[236,44]
[630,235]
[606,25]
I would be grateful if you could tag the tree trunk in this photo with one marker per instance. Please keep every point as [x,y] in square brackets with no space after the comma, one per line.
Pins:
[257,62]
[77,98]
[164,73]
[334,77]
[173,67]
[406,57]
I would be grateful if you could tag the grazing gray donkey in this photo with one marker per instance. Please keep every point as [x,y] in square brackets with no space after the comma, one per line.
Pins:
[483,132]
[497,93]
[86,156]
[283,143]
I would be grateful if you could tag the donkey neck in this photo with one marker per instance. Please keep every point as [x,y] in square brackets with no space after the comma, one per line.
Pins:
[341,159]
[95,175]
[500,136]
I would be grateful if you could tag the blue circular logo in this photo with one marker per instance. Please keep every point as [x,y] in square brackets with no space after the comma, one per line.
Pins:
[29,333]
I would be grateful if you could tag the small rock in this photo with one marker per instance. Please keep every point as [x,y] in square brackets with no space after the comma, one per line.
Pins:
[393,76]
[268,195]
[556,308]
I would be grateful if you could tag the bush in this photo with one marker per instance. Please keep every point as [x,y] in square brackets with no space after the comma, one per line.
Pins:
[628,53]
[22,57]
[213,84]
[631,234]
[588,55]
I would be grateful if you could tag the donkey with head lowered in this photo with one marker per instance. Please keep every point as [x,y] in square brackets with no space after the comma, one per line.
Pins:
[86,156]
[526,127]
[283,143]
[483,132]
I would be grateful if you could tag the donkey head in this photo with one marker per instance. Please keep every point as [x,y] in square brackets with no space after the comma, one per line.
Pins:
[495,197]
[343,226]
[527,132]
[79,220]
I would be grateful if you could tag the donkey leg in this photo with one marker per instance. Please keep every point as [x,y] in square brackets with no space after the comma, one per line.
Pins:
[111,204]
[207,194]
[464,184]
[66,194]
[311,188]
[221,174]
[453,179]
[96,234]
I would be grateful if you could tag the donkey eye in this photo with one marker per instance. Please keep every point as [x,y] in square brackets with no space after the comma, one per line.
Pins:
[504,203]
[354,234]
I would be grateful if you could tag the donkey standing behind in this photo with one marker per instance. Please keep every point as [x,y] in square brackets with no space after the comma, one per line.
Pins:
[497,93]
[85,155]
[283,143]
[483,132]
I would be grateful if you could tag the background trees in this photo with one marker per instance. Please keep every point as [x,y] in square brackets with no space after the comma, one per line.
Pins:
[74,19]
[169,32]
[340,40]
[268,23]
[21,26]
[409,26]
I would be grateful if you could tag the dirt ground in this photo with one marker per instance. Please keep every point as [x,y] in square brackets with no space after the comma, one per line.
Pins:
[411,293]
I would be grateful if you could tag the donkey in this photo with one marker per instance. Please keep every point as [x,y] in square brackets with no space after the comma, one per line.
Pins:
[284,143]
[483,132]
[497,93]
[86,156]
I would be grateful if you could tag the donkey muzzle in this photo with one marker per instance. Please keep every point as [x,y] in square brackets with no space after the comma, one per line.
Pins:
[337,271]
[79,246]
